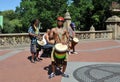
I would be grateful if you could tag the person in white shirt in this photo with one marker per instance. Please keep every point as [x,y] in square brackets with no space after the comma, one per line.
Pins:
[72,44]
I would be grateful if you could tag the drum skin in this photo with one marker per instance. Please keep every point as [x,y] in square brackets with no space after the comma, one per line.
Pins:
[75,40]
[40,43]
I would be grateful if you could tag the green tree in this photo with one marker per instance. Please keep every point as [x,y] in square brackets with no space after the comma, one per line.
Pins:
[26,12]
[50,11]
[11,24]
[81,13]
[8,28]
[10,14]
[16,24]
[86,13]
[45,10]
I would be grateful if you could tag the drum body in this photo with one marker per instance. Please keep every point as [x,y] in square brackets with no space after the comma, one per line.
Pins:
[60,53]
[75,40]
[41,43]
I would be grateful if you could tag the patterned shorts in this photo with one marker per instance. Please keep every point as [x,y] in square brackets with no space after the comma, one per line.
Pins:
[33,48]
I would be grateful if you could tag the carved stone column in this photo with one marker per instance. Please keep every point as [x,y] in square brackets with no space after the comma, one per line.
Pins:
[67,20]
[113,23]
[92,35]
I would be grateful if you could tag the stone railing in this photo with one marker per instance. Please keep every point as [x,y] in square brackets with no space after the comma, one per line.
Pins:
[94,35]
[14,40]
[23,40]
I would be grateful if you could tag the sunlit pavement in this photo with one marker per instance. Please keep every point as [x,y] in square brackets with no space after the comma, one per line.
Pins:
[96,61]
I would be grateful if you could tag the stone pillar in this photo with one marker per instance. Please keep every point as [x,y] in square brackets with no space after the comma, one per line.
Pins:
[67,20]
[92,35]
[113,23]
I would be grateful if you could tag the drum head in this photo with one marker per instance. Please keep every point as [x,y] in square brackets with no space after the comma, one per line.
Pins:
[42,43]
[60,47]
[75,40]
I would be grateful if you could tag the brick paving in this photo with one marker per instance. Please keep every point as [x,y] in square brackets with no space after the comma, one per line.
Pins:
[16,67]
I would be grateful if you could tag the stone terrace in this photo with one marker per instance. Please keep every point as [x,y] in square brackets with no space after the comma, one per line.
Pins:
[16,67]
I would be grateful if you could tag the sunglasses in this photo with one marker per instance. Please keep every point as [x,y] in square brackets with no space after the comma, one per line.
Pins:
[60,20]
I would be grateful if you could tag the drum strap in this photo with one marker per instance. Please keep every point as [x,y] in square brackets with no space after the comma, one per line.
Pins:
[59,34]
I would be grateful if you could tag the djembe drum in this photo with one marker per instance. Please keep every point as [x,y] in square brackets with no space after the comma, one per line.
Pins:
[60,53]
[40,43]
[75,41]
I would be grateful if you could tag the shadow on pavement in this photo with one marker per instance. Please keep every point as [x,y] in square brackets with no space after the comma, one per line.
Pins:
[49,70]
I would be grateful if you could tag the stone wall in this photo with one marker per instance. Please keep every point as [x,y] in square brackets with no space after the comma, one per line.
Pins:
[23,40]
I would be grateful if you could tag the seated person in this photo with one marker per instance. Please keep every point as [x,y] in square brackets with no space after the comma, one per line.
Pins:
[48,39]
[47,42]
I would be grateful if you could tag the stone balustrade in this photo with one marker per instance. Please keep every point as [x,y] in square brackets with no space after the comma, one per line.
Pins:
[94,35]
[23,40]
[15,40]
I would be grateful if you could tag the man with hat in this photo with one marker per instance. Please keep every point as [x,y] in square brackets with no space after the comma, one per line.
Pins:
[61,36]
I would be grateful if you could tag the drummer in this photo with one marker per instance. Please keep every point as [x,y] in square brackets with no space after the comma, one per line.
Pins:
[48,42]
[48,39]
[72,45]
[61,36]
[34,34]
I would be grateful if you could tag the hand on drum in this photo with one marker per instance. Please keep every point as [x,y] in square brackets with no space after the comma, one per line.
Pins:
[52,41]
[64,43]
[39,37]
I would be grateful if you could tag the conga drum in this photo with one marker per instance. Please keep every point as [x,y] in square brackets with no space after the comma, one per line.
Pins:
[60,53]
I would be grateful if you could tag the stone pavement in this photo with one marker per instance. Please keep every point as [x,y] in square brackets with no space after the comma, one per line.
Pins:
[97,61]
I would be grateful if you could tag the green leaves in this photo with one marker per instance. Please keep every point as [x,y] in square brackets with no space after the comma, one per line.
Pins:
[84,13]
[10,22]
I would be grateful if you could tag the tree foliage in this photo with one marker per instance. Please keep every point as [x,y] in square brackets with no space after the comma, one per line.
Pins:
[84,13]
[10,22]
[45,10]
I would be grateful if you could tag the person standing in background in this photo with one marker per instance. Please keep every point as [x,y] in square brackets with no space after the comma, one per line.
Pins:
[72,24]
[72,44]
[34,35]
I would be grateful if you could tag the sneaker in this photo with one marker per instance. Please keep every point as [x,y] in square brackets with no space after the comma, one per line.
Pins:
[32,61]
[51,75]
[58,68]
[69,53]
[40,58]
[37,59]
[65,75]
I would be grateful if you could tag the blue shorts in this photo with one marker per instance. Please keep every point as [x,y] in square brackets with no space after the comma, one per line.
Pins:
[33,48]
[48,46]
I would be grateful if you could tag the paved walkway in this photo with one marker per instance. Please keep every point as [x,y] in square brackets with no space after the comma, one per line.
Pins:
[97,61]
